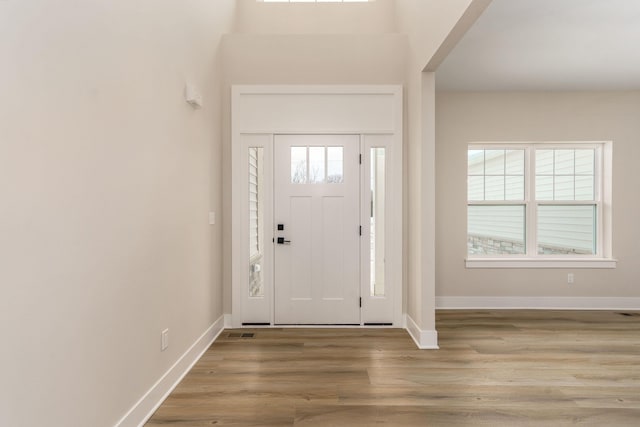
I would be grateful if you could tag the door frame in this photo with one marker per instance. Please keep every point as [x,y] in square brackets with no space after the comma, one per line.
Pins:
[262,111]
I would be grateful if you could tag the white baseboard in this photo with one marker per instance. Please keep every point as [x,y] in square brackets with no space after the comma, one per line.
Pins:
[425,340]
[538,303]
[147,405]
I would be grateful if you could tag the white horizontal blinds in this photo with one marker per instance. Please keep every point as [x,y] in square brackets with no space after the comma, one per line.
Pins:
[254,206]
[567,209]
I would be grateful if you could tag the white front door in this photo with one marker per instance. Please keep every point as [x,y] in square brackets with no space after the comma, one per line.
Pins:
[317,229]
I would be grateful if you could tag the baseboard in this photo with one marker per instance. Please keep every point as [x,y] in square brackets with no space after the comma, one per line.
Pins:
[147,405]
[425,340]
[538,303]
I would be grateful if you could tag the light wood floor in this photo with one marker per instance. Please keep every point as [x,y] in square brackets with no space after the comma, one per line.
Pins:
[494,368]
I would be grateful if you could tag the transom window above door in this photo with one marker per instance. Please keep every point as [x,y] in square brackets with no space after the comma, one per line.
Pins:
[317,165]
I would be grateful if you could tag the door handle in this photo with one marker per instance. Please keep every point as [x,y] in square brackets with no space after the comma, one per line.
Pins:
[282,241]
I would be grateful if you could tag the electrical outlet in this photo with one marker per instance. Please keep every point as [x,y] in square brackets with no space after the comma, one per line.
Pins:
[164,340]
[570,278]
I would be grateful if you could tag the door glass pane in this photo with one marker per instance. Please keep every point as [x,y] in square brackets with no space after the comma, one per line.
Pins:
[377,235]
[256,221]
[566,229]
[316,165]
[335,172]
[299,165]
[495,230]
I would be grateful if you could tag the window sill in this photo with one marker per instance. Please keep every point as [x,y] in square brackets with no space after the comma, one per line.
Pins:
[540,263]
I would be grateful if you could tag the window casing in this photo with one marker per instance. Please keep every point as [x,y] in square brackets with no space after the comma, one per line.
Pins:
[539,205]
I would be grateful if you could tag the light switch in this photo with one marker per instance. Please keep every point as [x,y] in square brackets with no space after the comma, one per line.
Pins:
[212,218]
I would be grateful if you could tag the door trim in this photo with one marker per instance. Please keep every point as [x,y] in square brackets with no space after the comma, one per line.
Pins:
[259,112]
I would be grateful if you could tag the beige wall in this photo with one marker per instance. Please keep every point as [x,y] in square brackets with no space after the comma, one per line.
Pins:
[464,117]
[427,23]
[106,177]
[322,18]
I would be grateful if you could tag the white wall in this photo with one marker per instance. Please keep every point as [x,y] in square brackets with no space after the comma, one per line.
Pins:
[572,116]
[106,177]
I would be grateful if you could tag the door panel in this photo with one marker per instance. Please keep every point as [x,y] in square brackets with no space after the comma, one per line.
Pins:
[301,218]
[317,272]
[333,285]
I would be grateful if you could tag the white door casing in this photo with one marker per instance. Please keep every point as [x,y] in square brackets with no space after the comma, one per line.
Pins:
[317,252]
[370,114]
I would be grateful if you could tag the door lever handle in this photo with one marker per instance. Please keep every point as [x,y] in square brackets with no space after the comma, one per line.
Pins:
[282,241]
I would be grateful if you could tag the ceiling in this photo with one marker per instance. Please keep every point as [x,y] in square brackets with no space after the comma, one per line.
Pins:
[548,45]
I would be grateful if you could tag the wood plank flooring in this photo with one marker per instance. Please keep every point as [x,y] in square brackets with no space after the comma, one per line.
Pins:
[494,368]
